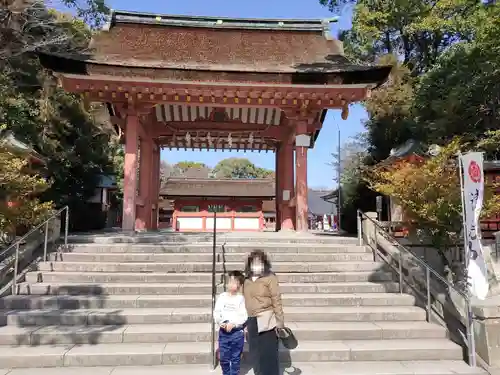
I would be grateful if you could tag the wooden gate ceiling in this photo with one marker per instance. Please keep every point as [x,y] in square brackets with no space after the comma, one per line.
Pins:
[216,83]
[218,128]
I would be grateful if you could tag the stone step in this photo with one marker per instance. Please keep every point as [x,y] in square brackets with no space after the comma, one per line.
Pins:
[205,300]
[206,257]
[271,248]
[443,367]
[206,267]
[198,353]
[207,238]
[200,332]
[162,277]
[194,288]
[192,315]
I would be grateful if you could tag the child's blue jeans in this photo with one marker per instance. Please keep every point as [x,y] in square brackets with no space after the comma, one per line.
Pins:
[230,349]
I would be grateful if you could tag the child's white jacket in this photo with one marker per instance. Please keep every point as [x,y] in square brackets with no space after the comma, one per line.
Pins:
[230,308]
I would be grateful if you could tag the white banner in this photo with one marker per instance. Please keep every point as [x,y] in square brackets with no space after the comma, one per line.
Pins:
[472,200]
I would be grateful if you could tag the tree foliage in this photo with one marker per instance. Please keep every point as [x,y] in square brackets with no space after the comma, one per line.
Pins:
[183,166]
[240,168]
[429,192]
[417,31]
[29,26]
[444,81]
[355,193]
[226,168]
[19,190]
[460,95]
[78,146]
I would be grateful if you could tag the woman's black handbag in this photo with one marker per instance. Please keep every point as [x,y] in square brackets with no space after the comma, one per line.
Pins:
[287,338]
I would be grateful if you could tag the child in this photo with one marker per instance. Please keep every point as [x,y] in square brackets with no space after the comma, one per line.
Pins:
[230,315]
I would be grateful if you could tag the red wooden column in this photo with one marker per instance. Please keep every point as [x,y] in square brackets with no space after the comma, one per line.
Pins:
[143,217]
[287,192]
[155,187]
[130,172]
[302,141]
[278,156]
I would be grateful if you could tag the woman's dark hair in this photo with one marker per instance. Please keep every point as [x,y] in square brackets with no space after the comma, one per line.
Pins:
[238,275]
[257,254]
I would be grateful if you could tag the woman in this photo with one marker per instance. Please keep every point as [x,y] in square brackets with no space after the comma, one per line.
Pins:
[265,312]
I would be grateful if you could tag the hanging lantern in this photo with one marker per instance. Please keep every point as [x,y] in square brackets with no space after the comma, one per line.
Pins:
[345,112]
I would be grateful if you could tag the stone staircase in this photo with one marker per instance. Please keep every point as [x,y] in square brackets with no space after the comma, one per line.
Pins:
[143,305]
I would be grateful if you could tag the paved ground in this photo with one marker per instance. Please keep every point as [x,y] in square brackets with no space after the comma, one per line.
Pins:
[325,368]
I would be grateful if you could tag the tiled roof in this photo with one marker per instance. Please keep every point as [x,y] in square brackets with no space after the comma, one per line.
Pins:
[269,206]
[302,48]
[317,205]
[215,187]
[140,18]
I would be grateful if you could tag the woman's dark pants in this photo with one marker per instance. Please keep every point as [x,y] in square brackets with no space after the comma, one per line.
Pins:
[263,349]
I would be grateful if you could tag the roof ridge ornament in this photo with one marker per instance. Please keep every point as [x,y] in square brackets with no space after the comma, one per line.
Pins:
[110,19]
[326,26]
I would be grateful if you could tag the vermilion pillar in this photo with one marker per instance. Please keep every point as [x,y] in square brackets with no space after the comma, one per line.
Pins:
[155,187]
[302,211]
[286,194]
[130,172]
[278,185]
[143,218]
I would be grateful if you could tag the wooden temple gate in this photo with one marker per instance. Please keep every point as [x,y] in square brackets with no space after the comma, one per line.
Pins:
[215,83]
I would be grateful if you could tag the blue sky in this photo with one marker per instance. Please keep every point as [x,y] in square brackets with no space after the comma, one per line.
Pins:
[319,173]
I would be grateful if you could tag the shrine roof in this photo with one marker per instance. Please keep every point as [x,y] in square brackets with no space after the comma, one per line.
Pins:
[127,17]
[317,204]
[218,187]
[293,51]
[269,206]
[17,147]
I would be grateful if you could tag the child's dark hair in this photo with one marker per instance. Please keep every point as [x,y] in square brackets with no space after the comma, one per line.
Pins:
[257,254]
[238,275]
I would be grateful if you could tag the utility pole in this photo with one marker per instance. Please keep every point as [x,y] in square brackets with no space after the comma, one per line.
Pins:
[339,174]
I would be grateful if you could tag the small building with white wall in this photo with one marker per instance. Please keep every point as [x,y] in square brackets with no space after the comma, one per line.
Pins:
[237,203]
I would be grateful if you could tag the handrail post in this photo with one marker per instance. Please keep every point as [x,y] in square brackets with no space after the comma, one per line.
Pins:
[66,228]
[45,241]
[471,340]
[360,228]
[428,286]
[214,291]
[400,265]
[16,265]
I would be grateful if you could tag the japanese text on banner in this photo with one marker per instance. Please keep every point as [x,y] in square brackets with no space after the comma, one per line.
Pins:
[472,200]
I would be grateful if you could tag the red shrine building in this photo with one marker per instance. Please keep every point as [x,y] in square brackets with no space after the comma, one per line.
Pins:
[179,82]
[238,204]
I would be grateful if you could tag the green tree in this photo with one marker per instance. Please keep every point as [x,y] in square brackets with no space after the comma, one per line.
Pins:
[355,194]
[417,31]
[434,86]
[182,166]
[429,192]
[19,190]
[79,148]
[240,168]
[390,109]
[460,95]
[92,12]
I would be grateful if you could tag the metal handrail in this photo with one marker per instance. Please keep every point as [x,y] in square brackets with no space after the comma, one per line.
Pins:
[18,243]
[428,271]
[214,292]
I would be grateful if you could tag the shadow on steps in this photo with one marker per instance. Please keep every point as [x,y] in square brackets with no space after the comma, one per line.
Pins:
[56,316]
